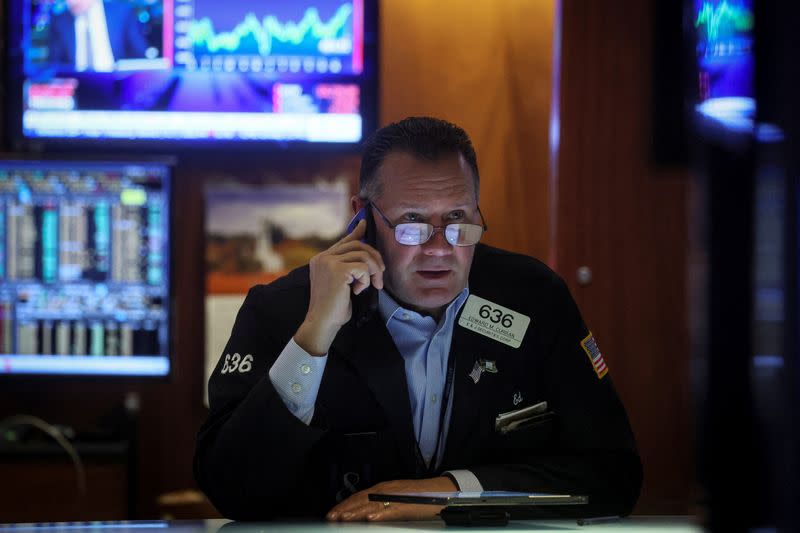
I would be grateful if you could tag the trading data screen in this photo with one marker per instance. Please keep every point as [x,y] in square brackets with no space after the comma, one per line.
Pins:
[84,268]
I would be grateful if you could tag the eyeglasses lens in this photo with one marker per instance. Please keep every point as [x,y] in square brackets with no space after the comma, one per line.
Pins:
[413,234]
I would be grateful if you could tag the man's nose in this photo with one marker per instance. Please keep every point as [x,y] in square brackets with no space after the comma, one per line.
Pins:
[437,244]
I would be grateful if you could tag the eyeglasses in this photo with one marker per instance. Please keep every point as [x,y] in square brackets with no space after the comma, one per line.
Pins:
[416,233]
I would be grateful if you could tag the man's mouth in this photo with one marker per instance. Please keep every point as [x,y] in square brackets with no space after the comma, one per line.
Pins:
[433,274]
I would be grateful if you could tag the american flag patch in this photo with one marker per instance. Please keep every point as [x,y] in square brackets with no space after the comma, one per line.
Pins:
[476,372]
[589,346]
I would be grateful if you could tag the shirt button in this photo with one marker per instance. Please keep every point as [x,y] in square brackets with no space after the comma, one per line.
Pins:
[433,398]
[305,369]
[405,316]
[296,387]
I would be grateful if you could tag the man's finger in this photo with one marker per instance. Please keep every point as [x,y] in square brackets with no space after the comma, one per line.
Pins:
[385,511]
[360,280]
[343,248]
[358,507]
[362,257]
[377,280]
[347,506]
[357,233]
[362,512]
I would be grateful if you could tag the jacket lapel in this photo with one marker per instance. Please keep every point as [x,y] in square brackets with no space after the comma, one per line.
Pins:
[467,411]
[470,409]
[375,357]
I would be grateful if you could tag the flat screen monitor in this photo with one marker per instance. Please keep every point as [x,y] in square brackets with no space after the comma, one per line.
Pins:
[171,73]
[84,268]
[724,34]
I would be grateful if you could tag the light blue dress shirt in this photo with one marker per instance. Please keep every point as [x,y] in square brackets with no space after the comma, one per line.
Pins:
[424,346]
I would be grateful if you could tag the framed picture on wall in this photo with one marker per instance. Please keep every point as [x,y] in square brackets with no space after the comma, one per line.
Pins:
[256,233]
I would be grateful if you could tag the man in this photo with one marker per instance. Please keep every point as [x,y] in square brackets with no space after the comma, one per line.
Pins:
[316,402]
[93,35]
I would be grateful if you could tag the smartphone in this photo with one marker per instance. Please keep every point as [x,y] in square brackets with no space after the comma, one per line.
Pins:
[364,304]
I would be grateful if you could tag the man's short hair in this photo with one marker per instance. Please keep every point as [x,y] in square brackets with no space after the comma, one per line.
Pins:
[423,137]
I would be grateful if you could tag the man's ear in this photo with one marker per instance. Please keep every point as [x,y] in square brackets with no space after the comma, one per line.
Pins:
[356,202]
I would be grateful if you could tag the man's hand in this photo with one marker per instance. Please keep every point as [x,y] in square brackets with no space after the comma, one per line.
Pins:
[358,507]
[348,266]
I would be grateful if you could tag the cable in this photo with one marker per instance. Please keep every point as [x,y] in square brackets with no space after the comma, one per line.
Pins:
[57,435]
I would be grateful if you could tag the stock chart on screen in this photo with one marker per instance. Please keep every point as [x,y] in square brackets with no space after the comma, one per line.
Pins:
[284,37]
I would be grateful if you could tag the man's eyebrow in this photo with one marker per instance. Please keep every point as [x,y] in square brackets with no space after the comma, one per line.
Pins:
[417,207]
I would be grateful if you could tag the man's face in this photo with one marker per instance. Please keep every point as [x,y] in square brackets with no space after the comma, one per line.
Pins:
[79,7]
[425,277]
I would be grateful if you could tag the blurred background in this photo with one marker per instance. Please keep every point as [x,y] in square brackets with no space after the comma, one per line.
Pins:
[157,168]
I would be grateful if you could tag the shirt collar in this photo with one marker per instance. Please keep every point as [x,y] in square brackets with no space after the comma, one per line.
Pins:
[95,10]
[389,308]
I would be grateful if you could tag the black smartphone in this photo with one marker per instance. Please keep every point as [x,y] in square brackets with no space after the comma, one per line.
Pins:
[364,304]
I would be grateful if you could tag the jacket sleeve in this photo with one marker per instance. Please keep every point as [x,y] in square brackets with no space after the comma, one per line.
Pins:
[135,44]
[589,446]
[57,47]
[252,451]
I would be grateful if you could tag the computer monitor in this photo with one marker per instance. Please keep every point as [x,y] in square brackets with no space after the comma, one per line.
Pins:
[185,73]
[724,36]
[84,267]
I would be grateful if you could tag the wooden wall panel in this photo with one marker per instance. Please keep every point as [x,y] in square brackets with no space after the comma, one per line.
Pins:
[627,221]
[486,66]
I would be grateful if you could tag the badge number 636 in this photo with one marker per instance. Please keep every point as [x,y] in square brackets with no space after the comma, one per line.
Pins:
[486,311]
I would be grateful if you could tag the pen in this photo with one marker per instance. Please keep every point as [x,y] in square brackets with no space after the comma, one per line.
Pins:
[596,520]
